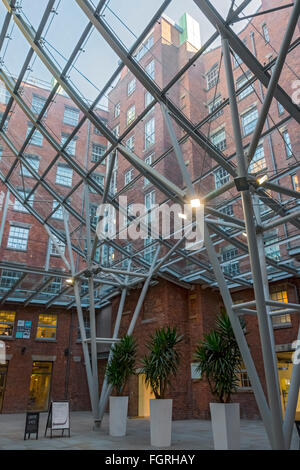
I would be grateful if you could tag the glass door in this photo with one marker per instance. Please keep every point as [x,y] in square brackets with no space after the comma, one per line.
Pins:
[40,382]
[145,393]
[285,366]
[3,375]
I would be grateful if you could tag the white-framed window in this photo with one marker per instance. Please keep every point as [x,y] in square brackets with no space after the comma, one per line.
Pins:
[18,206]
[34,162]
[5,125]
[287,144]
[258,161]
[8,278]
[279,294]
[116,130]
[221,177]
[128,176]
[148,99]
[37,137]
[148,161]
[227,210]
[71,116]
[149,133]
[144,48]
[280,108]
[231,268]
[7,322]
[117,110]
[99,179]
[58,214]
[104,122]
[125,260]
[244,381]
[272,248]
[214,105]
[130,116]
[212,77]
[149,204]
[57,251]
[71,147]
[265,32]
[47,322]
[4,94]
[219,139]
[18,238]
[149,250]
[98,151]
[131,86]
[93,216]
[108,255]
[241,81]
[64,175]
[130,143]
[295,182]
[150,69]
[249,121]
[37,104]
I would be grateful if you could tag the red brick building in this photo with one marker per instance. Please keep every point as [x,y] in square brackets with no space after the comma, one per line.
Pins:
[52,354]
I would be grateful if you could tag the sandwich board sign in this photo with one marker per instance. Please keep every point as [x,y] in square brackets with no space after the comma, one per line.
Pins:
[58,417]
[32,424]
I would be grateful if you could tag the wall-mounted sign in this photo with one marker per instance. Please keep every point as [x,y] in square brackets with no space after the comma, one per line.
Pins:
[23,329]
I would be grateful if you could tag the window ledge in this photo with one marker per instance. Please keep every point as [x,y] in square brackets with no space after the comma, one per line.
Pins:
[245,390]
[284,325]
[4,337]
[150,320]
[46,340]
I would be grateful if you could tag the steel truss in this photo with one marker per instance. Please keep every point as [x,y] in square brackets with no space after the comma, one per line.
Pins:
[106,282]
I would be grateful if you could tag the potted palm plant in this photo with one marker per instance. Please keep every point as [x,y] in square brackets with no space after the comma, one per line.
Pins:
[118,370]
[158,366]
[219,360]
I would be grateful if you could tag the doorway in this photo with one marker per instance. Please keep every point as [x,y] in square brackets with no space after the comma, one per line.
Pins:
[40,383]
[145,393]
[285,366]
[3,375]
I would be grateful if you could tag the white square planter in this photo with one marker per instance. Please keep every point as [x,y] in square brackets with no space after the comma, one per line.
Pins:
[161,422]
[118,408]
[225,418]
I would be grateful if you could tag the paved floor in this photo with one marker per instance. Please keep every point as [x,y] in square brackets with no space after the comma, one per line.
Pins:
[186,435]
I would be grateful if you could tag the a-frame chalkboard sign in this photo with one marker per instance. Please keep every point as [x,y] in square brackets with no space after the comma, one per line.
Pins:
[58,417]
[32,424]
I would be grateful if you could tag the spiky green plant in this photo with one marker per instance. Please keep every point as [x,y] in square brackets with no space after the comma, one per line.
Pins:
[162,360]
[219,359]
[122,363]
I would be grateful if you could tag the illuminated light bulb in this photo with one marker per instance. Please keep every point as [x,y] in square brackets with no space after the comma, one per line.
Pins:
[70,281]
[195,203]
[182,216]
[262,179]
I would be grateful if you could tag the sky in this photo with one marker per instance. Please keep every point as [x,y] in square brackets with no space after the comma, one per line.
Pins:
[127,18]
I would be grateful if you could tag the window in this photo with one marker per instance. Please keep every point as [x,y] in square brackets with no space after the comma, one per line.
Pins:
[125,261]
[47,325]
[244,381]
[8,278]
[93,216]
[130,143]
[64,175]
[295,182]
[149,205]
[58,214]
[7,321]
[5,124]
[18,206]
[117,110]
[37,104]
[149,250]
[272,249]
[258,161]
[265,33]
[287,143]
[99,180]
[150,69]
[148,160]
[61,247]
[71,116]
[54,287]
[128,176]
[108,255]
[227,210]
[116,130]
[97,152]
[219,139]
[280,108]
[37,137]
[149,133]
[130,115]
[131,86]
[249,121]
[241,81]
[18,238]
[34,162]
[231,268]
[214,105]
[212,77]
[280,295]
[86,322]
[148,99]
[71,147]
[221,177]
[104,122]
[4,94]
[236,60]
[252,38]
[144,48]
